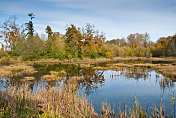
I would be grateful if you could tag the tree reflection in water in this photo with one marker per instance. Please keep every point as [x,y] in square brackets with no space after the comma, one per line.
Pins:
[88,78]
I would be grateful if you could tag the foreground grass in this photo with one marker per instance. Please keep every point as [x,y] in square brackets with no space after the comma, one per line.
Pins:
[65,103]
[44,103]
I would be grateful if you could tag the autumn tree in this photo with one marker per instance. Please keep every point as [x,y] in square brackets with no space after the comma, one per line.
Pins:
[49,32]
[172,46]
[165,46]
[10,34]
[161,47]
[93,42]
[119,42]
[146,38]
[73,42]
[88,34]
[137,39]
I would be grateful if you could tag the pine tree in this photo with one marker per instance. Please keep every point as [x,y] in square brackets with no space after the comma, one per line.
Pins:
[29,26]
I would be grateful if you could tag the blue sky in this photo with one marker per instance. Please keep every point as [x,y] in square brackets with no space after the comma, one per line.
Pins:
[116,18]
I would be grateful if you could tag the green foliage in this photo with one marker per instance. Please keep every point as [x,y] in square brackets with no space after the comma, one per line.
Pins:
[77,43]
[31,49]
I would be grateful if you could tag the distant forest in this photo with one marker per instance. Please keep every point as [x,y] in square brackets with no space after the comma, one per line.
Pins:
[21,42]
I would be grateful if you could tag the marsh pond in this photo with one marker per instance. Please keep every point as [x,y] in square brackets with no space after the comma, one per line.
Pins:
[113,82]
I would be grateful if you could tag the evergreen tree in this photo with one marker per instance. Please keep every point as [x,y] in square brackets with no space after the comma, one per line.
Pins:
[29,26]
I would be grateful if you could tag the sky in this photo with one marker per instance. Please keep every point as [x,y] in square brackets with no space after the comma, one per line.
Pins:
[116,18]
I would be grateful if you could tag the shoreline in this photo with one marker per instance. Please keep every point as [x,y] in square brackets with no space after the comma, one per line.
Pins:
[88,60]
[101,60]
[167,69]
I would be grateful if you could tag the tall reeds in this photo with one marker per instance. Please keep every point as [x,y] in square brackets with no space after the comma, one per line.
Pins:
[52,102]
[66,102]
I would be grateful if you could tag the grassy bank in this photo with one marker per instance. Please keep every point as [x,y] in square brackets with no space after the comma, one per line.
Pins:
[86,60]
[16,69]
[100,60]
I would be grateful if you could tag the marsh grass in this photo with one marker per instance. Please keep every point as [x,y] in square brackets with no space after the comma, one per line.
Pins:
[54,75]
[27,78]
[23,102]
[168,70]
[64,103]
[16,70]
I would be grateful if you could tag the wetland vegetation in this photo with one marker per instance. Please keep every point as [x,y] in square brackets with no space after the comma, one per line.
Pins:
[80,74]
[87,90]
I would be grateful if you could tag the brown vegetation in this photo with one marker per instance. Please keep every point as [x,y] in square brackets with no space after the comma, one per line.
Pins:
[66,103]
[28,78]
[16,70]
[168,70]
[58,103]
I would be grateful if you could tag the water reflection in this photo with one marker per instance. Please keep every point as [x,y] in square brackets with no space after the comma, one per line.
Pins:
[88,79]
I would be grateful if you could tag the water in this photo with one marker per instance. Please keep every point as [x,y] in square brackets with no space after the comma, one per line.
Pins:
[101,85]
[148,91]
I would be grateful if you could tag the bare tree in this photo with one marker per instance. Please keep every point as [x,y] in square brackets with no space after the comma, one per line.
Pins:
[10,32]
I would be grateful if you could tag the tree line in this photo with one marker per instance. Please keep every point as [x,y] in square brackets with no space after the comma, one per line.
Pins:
[21,42]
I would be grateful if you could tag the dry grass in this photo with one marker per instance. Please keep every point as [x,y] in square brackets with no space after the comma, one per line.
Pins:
[54,76]
[85,65]
[42,61]
[93,61]
[16,70]
[168,70]
[130,65]
[146,65]
[61,73]
[101,68]
[28,78]
[121,65]
[50,77]
[65,103]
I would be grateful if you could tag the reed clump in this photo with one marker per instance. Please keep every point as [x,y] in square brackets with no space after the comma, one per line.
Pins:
[85,65]
[50,77]
[168,70]
[28,78]
[146,65]
[65,103]
[54,75]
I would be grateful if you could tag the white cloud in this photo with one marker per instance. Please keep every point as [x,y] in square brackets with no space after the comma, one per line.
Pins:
[117,18]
